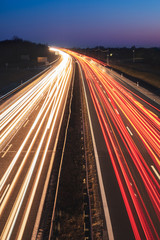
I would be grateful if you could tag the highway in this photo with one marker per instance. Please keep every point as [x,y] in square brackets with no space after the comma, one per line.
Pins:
[30,124]
[125,132]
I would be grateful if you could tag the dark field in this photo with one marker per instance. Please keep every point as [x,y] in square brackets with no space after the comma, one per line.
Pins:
[18,62]
[138,63]
[11,78]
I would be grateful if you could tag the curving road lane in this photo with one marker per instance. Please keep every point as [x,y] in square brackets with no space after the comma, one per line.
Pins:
[30,125]
[130,128]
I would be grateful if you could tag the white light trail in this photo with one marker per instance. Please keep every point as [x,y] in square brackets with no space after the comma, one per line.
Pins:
[53,87]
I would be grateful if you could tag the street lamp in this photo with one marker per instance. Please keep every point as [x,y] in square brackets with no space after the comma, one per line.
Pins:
[133,55]
[109,55]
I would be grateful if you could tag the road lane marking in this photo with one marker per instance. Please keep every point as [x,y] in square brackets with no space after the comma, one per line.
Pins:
[9,226]
[39,213]
[139,104]
[4,193]
[129,131]
[155,171]
[26,123]
[6,150]
[116,111]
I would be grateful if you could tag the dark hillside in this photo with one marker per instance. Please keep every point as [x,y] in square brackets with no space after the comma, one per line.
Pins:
[139,64]
[18,62]
[21,53]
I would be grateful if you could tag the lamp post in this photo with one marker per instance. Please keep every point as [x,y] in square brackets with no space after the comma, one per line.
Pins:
[104,51]
[107,59]
[133,55]
[109,55]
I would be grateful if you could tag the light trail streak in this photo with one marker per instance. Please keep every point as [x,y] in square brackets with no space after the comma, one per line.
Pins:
[5,176]
[129,131]
[6,150]
[26,123]
[116,107]
[2,182]
[21,108]
[1,199]
[54,88]
[115,150]
[104,200]
[156,172]
[55,110]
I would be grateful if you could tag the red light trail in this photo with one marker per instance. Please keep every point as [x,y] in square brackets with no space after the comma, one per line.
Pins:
[131,131]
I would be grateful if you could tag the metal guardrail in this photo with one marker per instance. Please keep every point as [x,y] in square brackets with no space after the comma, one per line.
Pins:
[88,201]
[27,81]
[50,237]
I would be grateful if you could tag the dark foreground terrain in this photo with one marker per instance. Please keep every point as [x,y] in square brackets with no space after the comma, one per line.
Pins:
[18,62]
[78,212]
[138,64]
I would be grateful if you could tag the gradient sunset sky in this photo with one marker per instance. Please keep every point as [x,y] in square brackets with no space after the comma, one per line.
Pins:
[83,23]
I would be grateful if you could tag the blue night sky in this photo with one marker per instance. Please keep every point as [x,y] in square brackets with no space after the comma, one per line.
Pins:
[84,23]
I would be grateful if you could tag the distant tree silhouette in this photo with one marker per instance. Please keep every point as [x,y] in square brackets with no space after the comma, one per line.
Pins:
[17,39]
[12,50]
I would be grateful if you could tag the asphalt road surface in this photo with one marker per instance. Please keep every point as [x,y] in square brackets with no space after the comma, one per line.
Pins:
[125,133]
[30,124]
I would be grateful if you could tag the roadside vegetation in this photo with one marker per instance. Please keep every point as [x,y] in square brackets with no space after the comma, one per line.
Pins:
[18,62]
[18,53]
[140,63]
